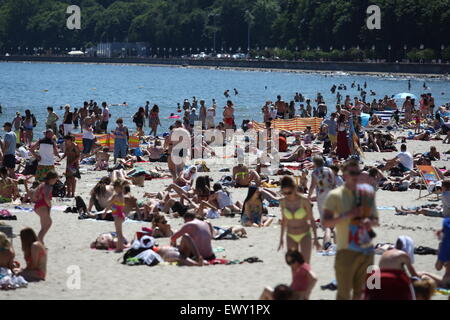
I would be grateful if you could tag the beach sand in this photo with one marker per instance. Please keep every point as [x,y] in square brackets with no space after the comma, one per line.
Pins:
[104,277]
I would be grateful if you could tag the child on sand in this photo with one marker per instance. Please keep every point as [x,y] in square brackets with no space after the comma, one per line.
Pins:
[117,206]
[42,199]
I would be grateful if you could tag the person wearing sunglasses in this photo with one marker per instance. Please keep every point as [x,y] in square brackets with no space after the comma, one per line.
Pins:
[352,210]
[297,220]
[161,229]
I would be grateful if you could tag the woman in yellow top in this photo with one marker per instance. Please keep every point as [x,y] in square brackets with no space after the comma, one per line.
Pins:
[297,220]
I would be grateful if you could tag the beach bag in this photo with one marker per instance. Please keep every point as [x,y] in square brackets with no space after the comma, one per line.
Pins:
[33,118]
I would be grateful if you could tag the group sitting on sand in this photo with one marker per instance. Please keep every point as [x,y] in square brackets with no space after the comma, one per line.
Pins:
[307,175]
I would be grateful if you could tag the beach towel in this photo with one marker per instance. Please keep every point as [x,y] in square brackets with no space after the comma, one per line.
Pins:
[6,215]
[425,251]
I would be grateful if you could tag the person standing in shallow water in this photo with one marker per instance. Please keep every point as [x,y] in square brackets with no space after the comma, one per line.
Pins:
[153,120]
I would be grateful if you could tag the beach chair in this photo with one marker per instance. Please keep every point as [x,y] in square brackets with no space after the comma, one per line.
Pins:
[432,179]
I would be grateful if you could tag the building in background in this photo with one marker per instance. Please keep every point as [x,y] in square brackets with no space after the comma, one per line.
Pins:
[122,49]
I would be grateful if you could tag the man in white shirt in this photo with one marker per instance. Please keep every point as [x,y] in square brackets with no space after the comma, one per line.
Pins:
[105,117]
[404,160]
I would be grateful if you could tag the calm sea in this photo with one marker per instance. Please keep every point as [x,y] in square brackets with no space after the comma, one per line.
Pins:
[38,85]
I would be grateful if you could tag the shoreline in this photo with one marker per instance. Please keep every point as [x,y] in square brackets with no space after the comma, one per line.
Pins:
[198,65]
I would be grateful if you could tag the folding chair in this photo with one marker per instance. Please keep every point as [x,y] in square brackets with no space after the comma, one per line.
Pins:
[431,178]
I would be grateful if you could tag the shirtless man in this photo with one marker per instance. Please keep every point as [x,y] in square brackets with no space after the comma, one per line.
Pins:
[322,110]
[201,233]
[186,253]
[395,259]
[84,111]
[243,177]
[228,115]
[280,106]
[176,165]
[155,151]
[394,281]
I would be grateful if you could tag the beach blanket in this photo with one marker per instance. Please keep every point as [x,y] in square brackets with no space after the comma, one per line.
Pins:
[9,281]
[296,124]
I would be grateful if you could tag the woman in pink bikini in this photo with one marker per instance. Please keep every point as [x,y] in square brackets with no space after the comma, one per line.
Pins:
[42,198]
[117,206]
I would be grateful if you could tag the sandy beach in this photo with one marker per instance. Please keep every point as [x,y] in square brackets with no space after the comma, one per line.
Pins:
[104,277]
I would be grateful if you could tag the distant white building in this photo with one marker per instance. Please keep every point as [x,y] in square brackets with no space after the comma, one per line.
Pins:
[122,49]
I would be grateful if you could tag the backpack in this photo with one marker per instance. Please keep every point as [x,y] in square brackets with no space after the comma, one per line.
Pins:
[59,190]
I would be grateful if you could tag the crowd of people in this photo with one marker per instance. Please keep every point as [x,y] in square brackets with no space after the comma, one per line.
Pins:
[320,169]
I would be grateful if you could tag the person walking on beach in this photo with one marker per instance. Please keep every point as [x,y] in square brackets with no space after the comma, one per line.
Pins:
[352,210]
[322,182]
[9,150]
[52,118]
[46,157]
[42,198]
[153,120]
[297,220]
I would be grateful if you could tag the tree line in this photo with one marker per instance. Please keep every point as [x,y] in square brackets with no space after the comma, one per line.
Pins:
[308,29]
